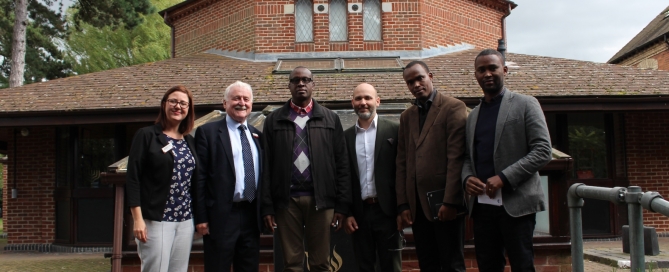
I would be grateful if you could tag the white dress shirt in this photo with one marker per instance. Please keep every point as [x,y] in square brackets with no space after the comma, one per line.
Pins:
[235,142]
[365,140]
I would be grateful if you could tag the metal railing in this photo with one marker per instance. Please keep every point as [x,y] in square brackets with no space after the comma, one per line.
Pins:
[636,201]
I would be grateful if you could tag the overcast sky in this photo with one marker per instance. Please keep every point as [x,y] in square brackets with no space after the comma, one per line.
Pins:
[592,30]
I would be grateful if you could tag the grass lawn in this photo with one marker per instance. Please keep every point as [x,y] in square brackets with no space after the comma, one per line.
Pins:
[1,231]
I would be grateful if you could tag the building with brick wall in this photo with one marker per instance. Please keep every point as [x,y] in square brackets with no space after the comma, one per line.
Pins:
[649,49]
[62,134]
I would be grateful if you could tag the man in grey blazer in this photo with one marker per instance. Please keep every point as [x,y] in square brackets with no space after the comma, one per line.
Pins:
[372,148]
[507,144]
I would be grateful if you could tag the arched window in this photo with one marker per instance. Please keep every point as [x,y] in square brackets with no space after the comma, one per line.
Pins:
[304,18]
[338,22]
[371,20]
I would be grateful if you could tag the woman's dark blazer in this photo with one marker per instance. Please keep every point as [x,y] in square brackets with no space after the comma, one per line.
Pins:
[149,173]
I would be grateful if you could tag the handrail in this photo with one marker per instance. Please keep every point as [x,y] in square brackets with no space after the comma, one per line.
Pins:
[636,201]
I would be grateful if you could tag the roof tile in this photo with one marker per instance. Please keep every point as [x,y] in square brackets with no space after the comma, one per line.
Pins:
[207,75]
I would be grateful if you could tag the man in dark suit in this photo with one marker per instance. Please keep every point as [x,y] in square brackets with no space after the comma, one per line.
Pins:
[507,144]
[372,148]
[227,189]
[429,157]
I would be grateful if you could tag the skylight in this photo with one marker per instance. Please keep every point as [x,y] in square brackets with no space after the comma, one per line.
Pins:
[341,65]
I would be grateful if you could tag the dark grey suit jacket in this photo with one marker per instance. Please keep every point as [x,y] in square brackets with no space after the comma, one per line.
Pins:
[522,147]
[214,187]
[385,151]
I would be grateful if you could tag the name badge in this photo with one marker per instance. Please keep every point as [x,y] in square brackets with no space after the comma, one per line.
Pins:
[167,148]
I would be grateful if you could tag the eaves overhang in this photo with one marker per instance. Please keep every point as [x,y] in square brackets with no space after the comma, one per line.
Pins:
[132,115]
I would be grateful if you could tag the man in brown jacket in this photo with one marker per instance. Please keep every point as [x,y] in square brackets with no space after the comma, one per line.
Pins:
[431,144]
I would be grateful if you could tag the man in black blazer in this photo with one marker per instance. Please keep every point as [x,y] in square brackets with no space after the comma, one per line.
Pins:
[226,190]
[372,148]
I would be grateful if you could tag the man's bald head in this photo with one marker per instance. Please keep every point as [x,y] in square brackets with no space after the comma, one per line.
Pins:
[365,101]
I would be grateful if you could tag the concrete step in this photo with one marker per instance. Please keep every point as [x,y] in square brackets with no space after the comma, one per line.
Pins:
[614,256]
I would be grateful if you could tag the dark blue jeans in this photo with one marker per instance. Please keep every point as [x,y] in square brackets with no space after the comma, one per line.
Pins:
[496,231]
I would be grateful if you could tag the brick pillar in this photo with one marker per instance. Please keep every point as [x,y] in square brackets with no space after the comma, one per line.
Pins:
[30,218]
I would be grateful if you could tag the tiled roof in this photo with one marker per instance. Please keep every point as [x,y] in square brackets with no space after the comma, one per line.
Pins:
[207,75]
[655,30]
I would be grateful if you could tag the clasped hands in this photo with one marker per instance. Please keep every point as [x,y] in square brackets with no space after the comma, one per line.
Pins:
[475,186]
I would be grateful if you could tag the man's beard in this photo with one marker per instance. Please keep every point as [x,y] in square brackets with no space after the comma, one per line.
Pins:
[365,115]
[494,90]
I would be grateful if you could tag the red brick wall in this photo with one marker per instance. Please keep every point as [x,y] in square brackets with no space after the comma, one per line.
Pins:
[261,26]
[225,25]
[4,189]
[662,60]
[274,30]
[30,218]
[321,29]
[448,22]
[647,144]
[401,28]
[4,132]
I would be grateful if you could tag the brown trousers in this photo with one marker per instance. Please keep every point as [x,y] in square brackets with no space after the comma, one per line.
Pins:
[301,224]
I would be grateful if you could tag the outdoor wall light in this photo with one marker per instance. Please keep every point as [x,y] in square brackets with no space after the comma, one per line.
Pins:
[25,132]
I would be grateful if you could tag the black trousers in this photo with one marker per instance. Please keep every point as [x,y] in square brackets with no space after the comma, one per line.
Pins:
[238,243]
[439,244]
[496,231]
[376,234]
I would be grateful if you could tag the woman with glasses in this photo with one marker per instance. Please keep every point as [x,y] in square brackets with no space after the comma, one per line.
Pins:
[161,166]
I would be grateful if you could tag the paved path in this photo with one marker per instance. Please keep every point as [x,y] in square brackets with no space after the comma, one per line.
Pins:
[38,262]
[93,262]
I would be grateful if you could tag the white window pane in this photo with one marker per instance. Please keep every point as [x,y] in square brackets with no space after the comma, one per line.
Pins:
[304,21]
[338,26]
[371,20]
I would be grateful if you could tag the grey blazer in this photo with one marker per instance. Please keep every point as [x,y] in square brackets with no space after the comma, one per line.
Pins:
[522,147]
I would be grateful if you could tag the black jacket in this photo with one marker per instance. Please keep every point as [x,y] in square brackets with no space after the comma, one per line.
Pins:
[328,160]
[150,171]
[385,152]
[214,187]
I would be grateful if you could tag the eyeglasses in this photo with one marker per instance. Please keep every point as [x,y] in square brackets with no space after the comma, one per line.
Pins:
[174,102]
[296,80]
[393,240]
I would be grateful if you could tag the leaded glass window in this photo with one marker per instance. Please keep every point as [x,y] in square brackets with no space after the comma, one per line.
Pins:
[338,26]
[371,20]
[304,28]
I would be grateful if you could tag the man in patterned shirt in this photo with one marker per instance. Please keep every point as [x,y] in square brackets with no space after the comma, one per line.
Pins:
[306,186]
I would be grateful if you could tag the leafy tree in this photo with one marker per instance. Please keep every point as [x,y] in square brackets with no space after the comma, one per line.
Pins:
[43,59]
[47,30]
[95,49]
[112,13]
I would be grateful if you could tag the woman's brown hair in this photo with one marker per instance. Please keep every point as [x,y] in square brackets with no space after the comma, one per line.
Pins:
[187,124]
